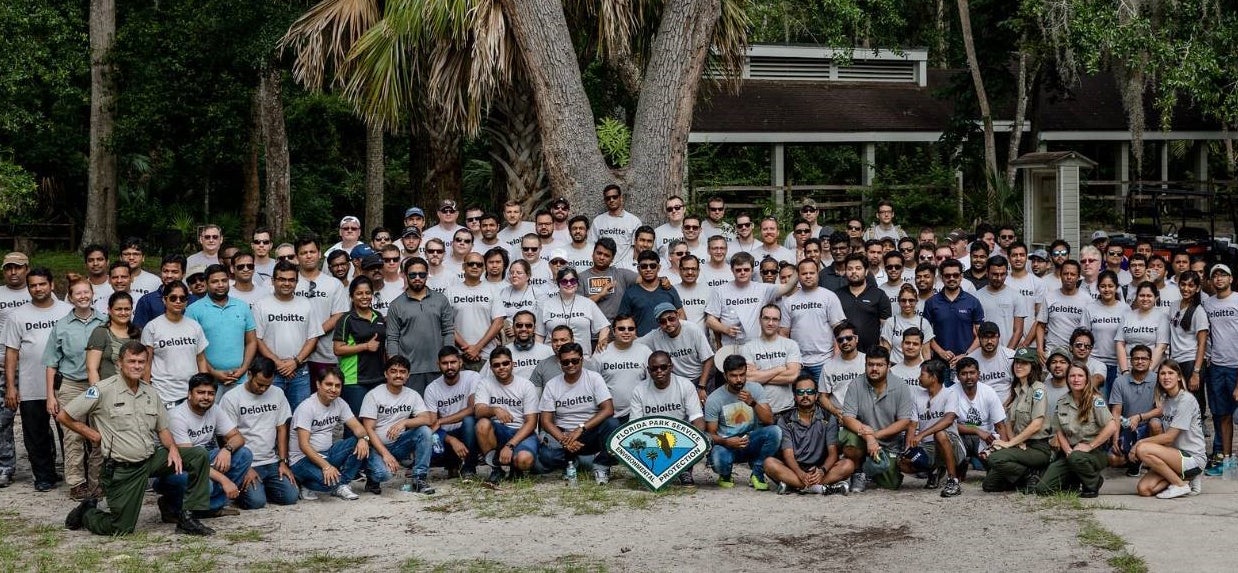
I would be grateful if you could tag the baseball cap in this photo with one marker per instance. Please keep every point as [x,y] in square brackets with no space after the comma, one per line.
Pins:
[1098,235]
[411,231]
[19,258]
[1039,254]
[446,204]
[372,261]
[414,212]
[1059,351]
[808,202]
[918,458]
[1215,268]
[360,251]
[350,219]
[558,255]
[1026,354]
[987,328]
[195,270]
[560,201]
[662,308]
[957,235]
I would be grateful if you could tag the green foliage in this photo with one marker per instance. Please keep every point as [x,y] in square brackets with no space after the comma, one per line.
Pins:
[18,190]
[933,200]
[823,164]
[714,164]
[615,139]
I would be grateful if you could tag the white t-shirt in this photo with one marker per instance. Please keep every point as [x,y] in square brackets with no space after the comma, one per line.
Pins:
[143,284]
[524,361]
[1182,342]
[443,234]
[931,409]
[514,301]
[386,295]
[694,299]
[838,374]
[176,348]
[778,253]
[985,411]
[1223,330]
[27,332]
[664,234]
[582,314]
[1104,322]
[578,258]
[714,278]
[908,374]
[447,400]
[995,371]
[1169,298]
[256,416]
[321,421]
[1062,314]
[733,305]
[252,296]
[679,400]
[622,229]
[98,302]
[518,397]
[1002,307]
[811,317]
[1032,289]
[768,354]
[623,371]
[285,326]
[328,297]
[385,408]
[892,330]
[476,307]
[188,427]
[510,237]
[573,404]
[688,351]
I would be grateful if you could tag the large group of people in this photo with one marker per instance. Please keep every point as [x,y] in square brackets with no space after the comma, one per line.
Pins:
[827,361]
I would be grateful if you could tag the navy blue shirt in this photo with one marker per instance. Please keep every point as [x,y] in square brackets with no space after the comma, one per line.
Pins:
[150,307]
[640,303]
[953,321]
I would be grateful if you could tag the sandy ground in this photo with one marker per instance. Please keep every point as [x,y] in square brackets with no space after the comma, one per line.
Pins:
[619,528]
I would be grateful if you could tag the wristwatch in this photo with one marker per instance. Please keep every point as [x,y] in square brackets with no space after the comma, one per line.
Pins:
[230,449]
[366,437]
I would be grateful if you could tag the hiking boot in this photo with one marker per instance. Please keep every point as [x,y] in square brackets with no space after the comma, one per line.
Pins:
[1090,493]
[189,525]
[76,518]
[1030,482]
[952,488]
[372,486]
[6,479]
[342,491]
[420,485]
[1132,470]
[468,474]
[496,477]
[859,481]
[601,474]
[758,483]
[934,478]
[308,494]
[166,513]
[686,478]
[221,512]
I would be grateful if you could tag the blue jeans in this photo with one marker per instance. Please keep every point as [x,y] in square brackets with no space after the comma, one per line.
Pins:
[1127,437]
[1111,374]
[467,433]
[173,486]
[504,433]
[552,455]
[415,442]
[762,443]
[340,455]
[354,394]
[272,487]
[296,387]
[814,371]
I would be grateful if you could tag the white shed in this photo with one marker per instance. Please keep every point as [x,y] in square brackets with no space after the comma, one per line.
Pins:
[1051,196]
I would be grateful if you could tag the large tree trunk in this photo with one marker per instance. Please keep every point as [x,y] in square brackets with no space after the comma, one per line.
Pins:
[668,94]
[574,163]
[375,171]
[251,186]
[445,172]
[986,115]
[275,144]
[516,149]
[100,226]
[1026,85]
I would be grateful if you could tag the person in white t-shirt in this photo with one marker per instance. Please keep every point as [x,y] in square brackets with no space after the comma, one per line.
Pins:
[692,293]
[912,352]
[515,227]
[993,359]
[808,315]
[319,462]
[479,313]
[506,408]
[1003,305]
[936,434]
[733,310]
[577,415]
[773,361]
[665,394]
[288,330]
[261,413]
[329,299]
[615,223]
[197,423]
[177,344]
[526,351]
[672,229]
[839,372]
[450,400]
[981,416]
[396,422]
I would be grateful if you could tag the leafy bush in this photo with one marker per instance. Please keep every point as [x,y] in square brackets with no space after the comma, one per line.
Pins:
[18,192]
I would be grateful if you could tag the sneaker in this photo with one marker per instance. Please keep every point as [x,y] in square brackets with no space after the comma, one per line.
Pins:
[686,478]
[725,482]
[308,494]
[859,481]
[420,485]
[952,488]
[6,479]
[601,474]
[342,491]
[816,488]
[468,474]
[839,488]
[934,478]
[372,486]
[167,513]
[80,492]
[1196,484]
[496,477]
[189,525]
[1174,491]
[758,483]
[491,458]
[1214,461]
[1217,470]
[782,489]
[1030,482]
[75,520]
[42,486]
[1132,470]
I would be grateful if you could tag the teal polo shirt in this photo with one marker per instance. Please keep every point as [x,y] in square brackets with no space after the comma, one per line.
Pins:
[225,327]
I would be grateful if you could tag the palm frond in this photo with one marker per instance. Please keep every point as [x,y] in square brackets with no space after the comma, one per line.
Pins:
[322,37]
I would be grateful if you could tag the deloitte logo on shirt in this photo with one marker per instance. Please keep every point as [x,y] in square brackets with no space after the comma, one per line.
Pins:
[657,448]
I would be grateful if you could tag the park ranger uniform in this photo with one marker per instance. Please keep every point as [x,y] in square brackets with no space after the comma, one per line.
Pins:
[128,422]
[1010,466]
[1079,467]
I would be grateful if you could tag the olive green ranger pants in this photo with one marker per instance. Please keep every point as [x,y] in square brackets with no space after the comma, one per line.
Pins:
[1007,467]
[125,485]
[1076,468]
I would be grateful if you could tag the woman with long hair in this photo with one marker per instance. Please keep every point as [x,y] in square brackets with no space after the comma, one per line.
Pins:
[360,342]
[892,330]
[1018,461]
[177,346]
[1188,334]
[1175,459]
[578,312]
[1144,324]
[1082,425]
[103,347]
[1103,317]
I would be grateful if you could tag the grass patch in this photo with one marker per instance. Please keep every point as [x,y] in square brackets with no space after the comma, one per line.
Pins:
[247,535]
[1093,534]
[314,563]
[548,496]
[1127,562]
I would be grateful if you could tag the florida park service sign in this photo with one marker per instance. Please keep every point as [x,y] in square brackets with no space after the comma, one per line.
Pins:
[657,448]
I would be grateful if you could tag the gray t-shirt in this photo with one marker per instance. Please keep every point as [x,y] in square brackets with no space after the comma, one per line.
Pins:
[518,397]
[811,441]
[284,326]
[573,404]
[1182,341]
[1105,322]
[768,354]
[176,346]
[188,427]
[678,400]
[1223,334]
[27,332]
[879,412]
[1002,307]
[385,408]
[1062,314]
[811,316]
[688,351]
[257,416]
[1148,329]
[320,421]
[623,370]
[447,400]
[734,418]
[1182,412]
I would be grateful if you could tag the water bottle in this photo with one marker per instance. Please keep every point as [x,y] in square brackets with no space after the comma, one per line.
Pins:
[1230,469]
[570,474]
[436,444]
[408,485]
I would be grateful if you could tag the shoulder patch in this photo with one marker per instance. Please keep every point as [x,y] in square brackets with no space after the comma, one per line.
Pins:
[1099,402]
[92,393]
[1039,394]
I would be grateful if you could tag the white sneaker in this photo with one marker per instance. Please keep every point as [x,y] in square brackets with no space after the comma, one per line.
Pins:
[859,481]
[1174,491]
[815,489]
[344,492]
[601,474]
[1196,484]
[308,494]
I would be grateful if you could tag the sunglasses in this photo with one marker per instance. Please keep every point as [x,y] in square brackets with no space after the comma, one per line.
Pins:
[625,328]
[847,338]
[391,259]
[1115,253]
[474,264]
[262,241]
[569,361]
[808,210]
[435,251]
[176,298]
[1059,253]
[530,249]
[853,228]
[1005,236]
[569,282]
[287,257]
[383,238]
[798,231]
[473,219]
[805,391]
[418,275]
[680,253]
[660,368]
[464,240]
[523,325]
[743,225]
[893,267]
[691,227]
[647,266]
[672,208]
[1083,346]
[210,237]
[243,267]
[769,271]
[668,319]
[951,275]
[907,300]
[350,228]
[447,210]
[717,209]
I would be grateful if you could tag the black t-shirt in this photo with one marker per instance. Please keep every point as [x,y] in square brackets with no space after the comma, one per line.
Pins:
[866,312]
[365,367]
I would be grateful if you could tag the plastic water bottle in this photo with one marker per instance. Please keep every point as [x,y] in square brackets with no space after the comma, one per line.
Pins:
[570,474]
[436,444]
[1230,469]
[408,485]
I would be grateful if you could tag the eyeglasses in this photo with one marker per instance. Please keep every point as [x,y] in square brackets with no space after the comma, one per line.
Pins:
[435,251]
[287,257]
[885,211]
[610,197]
[668,319]
[798,231]
[210,237]
[846,338]
[907,300]
[1089,260]
[530,249]
[647,266]
[418,275]
[1059,253]
[472,219]
[625,328]
[1083,346]
[691,227]
[893,267]
[383,239]
[244,267]
[805,391]
[670,208]
[569,361]
[926,258]
[350,228]
[262,241]
[391,259]
[659,367]
[474,264]
[853,228]
[769,271]
[176,298]
[464,240]
[569,282]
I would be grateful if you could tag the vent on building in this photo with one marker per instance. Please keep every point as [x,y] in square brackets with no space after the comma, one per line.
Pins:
[773,68]
[878,71]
